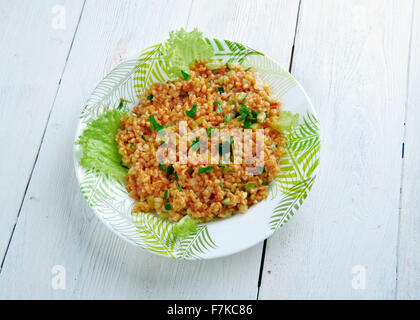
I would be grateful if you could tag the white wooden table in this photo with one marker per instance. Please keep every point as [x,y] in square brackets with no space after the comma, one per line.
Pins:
[356,237]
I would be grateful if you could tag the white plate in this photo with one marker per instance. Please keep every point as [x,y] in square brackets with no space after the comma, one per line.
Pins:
[111,202]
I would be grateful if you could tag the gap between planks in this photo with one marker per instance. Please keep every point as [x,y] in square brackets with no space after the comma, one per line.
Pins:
[407,94]
[290,70]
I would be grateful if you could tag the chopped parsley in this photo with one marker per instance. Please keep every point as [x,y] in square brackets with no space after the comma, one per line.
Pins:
[244,112]
[219,106]
[154,125]
[221,90]
[169,169]
[220,185]
[249,116]
[165,195]
[185,75]
[150,97]
[210,131]
[247,124]
[179,187]
[191,113]
[205,169]
[228,118]
[144,137]
[224,147]
[122,104]
[229,170]
[195,144]
[167,206]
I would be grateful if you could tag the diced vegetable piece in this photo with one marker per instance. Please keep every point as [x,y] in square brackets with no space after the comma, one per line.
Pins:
[226,201]
[261,117]
[286,122]
[184,227]
[157,203]
[215,65]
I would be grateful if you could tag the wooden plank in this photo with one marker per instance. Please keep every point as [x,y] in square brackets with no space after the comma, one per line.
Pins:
[352,59]
[35,45]
[408,286]
[56,227]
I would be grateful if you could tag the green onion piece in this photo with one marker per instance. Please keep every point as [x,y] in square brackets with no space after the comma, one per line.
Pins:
[150,97]
[165,195]
[179,187]
[167,206]
[220,89]
[144,137]
[185,75]
[220,185]
[227,118]
[205,169]
[229,170]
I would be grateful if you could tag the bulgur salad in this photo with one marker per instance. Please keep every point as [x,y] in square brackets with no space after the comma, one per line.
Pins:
[206,97]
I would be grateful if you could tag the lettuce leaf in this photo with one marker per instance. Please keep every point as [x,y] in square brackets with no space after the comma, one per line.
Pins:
[99,150]
[185,226]
[286,122]
[185,48]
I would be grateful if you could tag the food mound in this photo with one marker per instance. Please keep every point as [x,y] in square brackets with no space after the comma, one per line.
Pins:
[210,96]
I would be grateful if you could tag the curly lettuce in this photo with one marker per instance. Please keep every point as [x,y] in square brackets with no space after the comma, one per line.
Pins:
[99,150]
[185,48]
